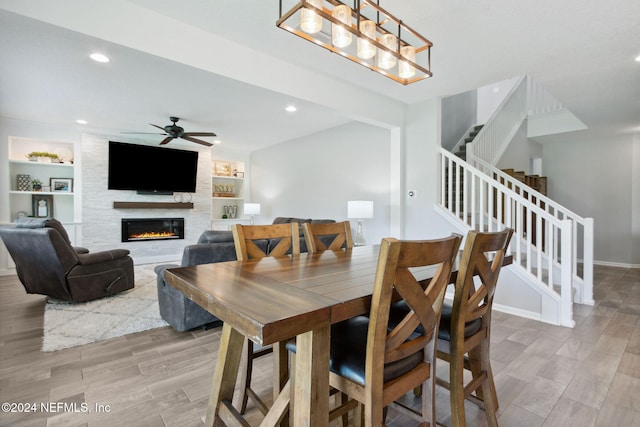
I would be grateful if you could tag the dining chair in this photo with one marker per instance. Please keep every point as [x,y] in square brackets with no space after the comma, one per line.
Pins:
[374,364]
[465,326]
[334,236]
[281,240]
[327,236]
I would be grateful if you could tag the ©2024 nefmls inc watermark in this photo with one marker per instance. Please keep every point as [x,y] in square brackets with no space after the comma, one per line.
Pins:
[54,407]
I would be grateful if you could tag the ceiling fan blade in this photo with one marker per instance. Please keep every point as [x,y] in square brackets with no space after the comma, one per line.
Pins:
[200,134]
[156,126]
[198,141]
[144,133]
[166,140]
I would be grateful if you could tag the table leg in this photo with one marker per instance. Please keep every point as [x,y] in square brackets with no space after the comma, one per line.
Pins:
[226,372]
[280,373]
[311,385]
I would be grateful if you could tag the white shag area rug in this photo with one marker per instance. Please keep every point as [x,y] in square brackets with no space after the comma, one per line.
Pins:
[71,324]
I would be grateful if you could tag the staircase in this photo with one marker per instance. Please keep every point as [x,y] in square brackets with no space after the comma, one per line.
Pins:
[460,149]
[552,247]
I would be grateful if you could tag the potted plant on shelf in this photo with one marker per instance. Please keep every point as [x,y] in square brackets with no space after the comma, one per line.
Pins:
[43,157]
[36,184]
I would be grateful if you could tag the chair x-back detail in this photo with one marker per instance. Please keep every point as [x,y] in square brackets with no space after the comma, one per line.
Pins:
[375,365]
[283,237]
[327,236]
[281,240]
[465,326]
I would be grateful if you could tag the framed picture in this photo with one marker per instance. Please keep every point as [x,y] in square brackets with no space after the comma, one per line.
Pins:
[62,185]
[42,205]
[222,169]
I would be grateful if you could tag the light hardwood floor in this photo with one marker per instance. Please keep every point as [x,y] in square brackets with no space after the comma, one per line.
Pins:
[545,375]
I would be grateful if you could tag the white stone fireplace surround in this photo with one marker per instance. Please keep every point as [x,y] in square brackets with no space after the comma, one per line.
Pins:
[101,222]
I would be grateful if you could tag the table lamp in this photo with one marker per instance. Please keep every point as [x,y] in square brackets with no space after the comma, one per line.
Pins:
[252,209]
[359,209]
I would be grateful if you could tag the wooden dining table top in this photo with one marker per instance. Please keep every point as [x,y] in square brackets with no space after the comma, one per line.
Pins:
[275,298]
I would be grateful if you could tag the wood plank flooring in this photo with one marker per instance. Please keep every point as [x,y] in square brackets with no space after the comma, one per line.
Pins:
[545,375]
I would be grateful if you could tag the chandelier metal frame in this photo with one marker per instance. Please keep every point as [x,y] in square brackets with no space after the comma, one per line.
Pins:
[385,23]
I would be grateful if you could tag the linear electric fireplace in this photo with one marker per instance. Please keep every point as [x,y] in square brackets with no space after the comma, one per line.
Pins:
[143,229]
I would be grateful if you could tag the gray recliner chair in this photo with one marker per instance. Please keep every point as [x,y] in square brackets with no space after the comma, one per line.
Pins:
[47,263]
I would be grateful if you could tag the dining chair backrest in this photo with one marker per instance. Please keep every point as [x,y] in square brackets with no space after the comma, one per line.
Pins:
[327,236]
[394,279]
[396,359]
[283,239]
[465,326]
[482,258]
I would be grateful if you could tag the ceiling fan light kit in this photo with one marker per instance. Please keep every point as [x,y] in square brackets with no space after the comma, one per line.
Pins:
[383,44]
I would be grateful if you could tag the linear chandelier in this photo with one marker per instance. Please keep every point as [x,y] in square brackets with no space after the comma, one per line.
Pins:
[365,33]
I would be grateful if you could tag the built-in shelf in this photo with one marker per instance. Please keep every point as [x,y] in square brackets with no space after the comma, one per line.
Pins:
[152,205]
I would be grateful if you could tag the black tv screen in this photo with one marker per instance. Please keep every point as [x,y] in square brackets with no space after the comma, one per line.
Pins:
[151,170]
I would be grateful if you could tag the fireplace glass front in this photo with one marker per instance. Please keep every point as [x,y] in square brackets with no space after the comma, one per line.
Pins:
[144,229]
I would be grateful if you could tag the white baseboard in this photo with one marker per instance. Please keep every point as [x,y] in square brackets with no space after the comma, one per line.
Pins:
[616,264]
[8,272]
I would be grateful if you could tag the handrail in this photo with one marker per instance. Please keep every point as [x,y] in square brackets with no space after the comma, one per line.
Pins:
[543,243]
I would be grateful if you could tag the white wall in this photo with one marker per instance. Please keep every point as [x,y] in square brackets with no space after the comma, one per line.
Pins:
[635,201]
[420,173]
[595,178]
[459,113]
[315,176]
[520,152]
[490,97]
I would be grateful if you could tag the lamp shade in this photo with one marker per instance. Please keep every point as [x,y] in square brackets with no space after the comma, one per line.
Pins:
[252,208]
[360,209]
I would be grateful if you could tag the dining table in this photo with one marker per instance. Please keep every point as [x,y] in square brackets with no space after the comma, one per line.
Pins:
[275,299]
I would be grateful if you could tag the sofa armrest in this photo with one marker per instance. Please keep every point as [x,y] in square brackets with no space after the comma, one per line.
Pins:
[208,253]
[104,256]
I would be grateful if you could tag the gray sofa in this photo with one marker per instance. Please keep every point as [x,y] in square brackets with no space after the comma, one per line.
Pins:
[213,246]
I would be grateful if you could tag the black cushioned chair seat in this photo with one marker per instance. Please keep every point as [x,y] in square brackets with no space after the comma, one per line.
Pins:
[444,333]
[400,309]
[348,349]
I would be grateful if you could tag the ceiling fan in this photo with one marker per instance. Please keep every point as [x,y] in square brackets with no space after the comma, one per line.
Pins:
[174,131]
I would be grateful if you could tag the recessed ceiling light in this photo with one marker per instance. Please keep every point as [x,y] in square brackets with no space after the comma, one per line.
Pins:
[217,141]
[291,108]
[81,122]
[637,58]
[98,57]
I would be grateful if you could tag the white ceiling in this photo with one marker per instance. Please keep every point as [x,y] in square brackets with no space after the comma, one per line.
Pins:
[177,58]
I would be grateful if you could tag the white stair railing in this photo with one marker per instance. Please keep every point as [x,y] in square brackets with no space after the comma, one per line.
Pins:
[582,242]
[499,130]
[543,244]
[539,101]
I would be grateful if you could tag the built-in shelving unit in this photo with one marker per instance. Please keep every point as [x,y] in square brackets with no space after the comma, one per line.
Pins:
[57,175]
[227,183]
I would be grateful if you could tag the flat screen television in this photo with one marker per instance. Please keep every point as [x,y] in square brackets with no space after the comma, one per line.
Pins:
[151,170]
